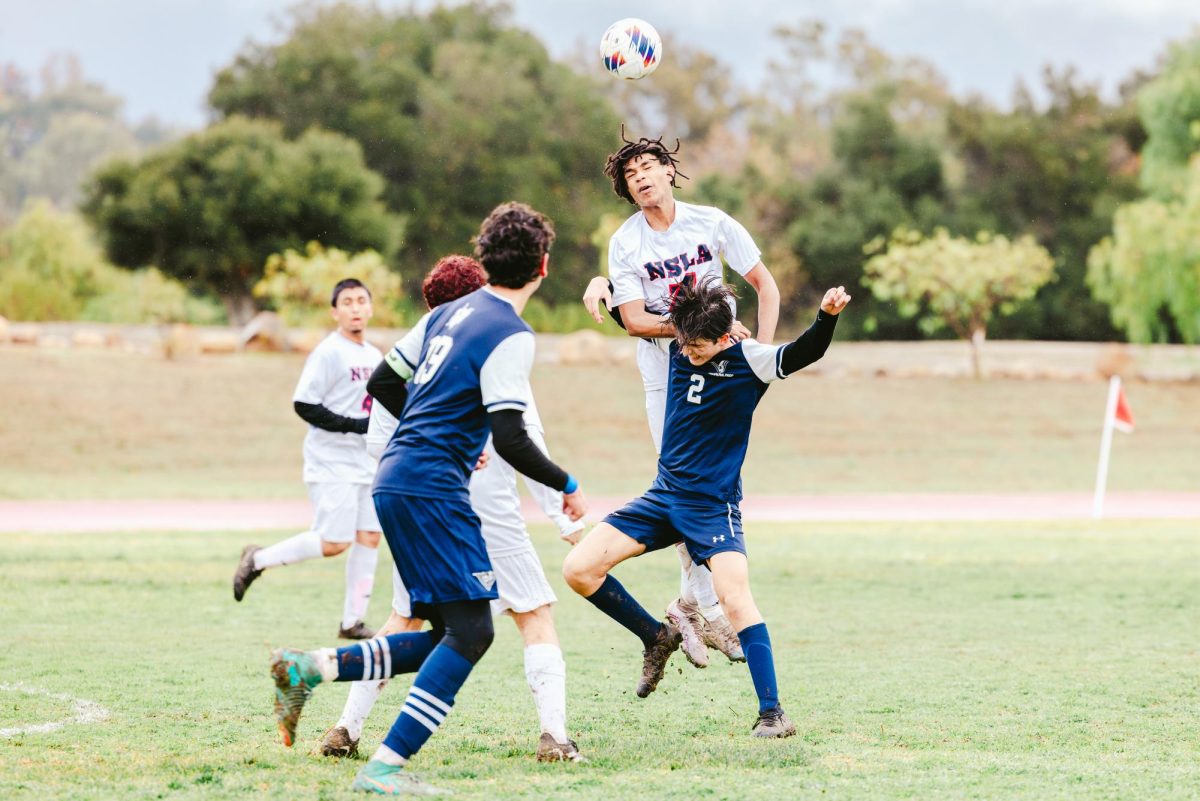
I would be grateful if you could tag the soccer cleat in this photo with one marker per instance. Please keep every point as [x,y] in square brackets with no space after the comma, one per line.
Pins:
[359,631]
[245,574]
[550,750]
[337,743]
[384,779]
[687,618]
[773,723]
[655,658]
[719,634]
[295,674]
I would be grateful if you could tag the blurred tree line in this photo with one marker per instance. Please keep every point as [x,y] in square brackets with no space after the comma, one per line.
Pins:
[426,120]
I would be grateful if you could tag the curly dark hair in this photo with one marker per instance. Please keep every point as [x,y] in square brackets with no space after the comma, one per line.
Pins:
[702,310]
[614,168]
[451,278]
[511,243]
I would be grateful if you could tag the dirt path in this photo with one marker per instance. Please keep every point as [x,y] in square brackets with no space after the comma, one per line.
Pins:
[225,515]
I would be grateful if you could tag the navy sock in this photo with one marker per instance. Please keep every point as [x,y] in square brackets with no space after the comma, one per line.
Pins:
[615,601]
[429,700]
[384,657]
[756,645]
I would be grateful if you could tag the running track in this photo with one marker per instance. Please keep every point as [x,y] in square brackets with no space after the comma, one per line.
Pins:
[96,516]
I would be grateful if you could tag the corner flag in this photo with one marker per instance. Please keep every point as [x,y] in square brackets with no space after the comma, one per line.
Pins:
[1118,415]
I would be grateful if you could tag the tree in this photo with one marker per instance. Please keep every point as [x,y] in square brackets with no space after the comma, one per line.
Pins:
[210,209]
[1169,106]
[49,265]
[298,284]
[957,282]
[457,110]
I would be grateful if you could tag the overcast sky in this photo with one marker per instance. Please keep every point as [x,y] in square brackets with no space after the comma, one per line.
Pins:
[160,55]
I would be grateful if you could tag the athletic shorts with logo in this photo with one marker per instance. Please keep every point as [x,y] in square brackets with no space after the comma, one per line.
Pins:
[664,517]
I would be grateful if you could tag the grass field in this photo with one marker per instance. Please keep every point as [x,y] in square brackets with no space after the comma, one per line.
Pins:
[920,661]
[98,424]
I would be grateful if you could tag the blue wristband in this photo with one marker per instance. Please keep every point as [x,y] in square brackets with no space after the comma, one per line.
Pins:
[572,485]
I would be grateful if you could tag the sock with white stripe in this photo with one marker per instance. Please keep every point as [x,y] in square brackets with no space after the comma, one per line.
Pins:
[300,548]
[363,695]
[384,657]
[360,579]
[546,673]
[429,700]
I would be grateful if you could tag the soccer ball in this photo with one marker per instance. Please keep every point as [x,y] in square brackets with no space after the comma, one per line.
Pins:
[631,49]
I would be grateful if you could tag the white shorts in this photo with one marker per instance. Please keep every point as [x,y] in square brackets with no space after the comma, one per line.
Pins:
[520,581]
[656,415]
[341,509]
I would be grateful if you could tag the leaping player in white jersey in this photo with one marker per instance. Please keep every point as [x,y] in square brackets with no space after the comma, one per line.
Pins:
[332,398]
[665,244]
[525,595]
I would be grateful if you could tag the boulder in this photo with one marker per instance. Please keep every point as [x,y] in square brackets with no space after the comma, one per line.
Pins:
[180,341]
[221,341]
[264,333]
[24,333]
[1115,359]
[583,347]
[304,340]
[3,329]
[90,338]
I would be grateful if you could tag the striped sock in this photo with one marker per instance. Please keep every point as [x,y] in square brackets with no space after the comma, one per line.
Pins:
[429,700]
[384,657]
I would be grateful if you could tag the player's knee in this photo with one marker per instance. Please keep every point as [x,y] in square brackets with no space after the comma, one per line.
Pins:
[333,548]
[577,573]
[368,538]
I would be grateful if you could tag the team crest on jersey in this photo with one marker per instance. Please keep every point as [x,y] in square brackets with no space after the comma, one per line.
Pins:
[460,315]
[487,578]
[720,369]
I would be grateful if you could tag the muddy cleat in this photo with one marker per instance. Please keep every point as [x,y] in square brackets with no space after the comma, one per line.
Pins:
[773,723]
[655,658]
[295,674]
[359,631]
[691,624]
[337,743]
[245,574]
[719,635]
[384,779]
[550,750]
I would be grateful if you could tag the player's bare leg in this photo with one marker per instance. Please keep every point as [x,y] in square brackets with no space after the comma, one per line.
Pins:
[731,577]
[342,739]
[546,673]
[586,570]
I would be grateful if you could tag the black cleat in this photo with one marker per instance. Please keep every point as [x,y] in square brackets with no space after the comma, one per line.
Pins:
[359,631]
[245,574]
[337,743]
[655,658]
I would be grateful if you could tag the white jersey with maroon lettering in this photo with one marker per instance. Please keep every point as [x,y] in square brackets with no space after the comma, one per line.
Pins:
[648,265]
[335,376]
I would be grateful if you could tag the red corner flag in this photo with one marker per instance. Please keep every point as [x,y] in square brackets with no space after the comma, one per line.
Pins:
[1122,416]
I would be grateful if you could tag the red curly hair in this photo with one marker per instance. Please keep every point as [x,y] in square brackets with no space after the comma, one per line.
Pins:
[451,278]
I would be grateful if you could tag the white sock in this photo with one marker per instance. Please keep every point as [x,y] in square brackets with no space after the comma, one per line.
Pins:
[700,583]
[363,695]
[360,578]
[300,548]
[685,584]
[387,756]
[546,673]
[327,663]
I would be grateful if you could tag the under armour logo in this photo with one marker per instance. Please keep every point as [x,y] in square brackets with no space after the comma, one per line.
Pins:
[719,539]
[460,315]
[487,578]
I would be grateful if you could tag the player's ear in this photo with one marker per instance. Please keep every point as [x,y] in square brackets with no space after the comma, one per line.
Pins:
[545,268]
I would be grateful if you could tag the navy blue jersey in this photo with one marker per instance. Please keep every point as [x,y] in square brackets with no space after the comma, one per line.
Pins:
[462,360]
[709,411]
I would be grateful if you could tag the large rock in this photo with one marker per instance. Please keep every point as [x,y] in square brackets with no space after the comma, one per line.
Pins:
[1115,359]
[264,333]
[180,341]
[303,340]
[91,338]
[583,347]
[24,333]
[3,329]
[223,341]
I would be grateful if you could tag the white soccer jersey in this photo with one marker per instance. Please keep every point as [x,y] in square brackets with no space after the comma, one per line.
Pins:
[335,376]
[644,264]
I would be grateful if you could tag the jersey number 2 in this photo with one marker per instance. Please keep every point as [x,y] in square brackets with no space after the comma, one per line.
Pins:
[693,395]
[439,349]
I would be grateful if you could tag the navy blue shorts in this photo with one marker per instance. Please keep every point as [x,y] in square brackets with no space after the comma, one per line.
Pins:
[661,517]
[438,548]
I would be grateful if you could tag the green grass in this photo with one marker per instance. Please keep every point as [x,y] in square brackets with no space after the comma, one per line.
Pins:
[920,661]
[115,425]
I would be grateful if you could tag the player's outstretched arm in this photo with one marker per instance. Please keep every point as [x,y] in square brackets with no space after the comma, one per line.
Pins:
[812,344]
[316,414]
[514,446]
[764,284]
[549,500]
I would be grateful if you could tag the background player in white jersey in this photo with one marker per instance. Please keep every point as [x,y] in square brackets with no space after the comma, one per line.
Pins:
[525,594]
[332,398]
[665,244]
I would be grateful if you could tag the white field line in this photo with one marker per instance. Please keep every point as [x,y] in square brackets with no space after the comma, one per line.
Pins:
[82,711]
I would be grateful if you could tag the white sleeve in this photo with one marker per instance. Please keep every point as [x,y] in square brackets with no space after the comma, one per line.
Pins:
[735,244]
[504,377]
[380,429]
[627,283]
[405,354]
[548,500]
[314,381]
[764,360]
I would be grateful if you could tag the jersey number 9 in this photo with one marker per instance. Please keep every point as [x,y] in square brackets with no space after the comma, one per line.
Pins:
[439,349]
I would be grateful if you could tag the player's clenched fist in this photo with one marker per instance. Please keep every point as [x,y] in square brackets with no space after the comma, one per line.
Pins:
[835,300]
[574,505]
